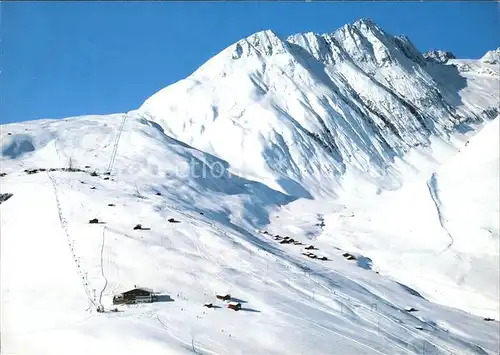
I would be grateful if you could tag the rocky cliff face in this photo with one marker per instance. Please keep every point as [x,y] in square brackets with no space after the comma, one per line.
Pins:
[439,56]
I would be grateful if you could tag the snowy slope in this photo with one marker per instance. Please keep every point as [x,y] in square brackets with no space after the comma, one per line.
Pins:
[437,234]
[468,186]
[316,302]
[261,137]
[467,196]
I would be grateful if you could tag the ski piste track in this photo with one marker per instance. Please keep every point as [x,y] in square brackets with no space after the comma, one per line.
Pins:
[189,345]
[432,186]
[102,267]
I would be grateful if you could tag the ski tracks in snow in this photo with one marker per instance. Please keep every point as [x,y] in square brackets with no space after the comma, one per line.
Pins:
[448,348]
[102,267]
[433,191]
[302,316]
[206,255]
[196,349]
[404,345]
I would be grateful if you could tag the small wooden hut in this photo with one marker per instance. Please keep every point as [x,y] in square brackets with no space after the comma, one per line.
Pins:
[349,256]
[234,305]
[223,296]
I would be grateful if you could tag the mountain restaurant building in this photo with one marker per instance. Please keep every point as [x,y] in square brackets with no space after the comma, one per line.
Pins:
[136,295]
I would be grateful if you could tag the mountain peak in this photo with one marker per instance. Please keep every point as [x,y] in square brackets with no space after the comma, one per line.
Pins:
[366,23]
[268,33]
[439,56]
[491,57]
[365,41]
[265,42]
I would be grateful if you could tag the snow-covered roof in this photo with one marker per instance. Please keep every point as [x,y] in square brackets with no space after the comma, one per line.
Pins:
[143,288]
[147,289]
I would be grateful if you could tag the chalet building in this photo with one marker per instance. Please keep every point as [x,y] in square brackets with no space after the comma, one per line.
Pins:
[223,296]
[136,295]
[349,256]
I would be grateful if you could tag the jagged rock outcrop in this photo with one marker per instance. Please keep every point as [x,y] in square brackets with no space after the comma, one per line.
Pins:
[438,56]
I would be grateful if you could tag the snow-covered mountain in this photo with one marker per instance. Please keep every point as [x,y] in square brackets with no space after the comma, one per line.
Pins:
[491,57]
[304,110]
[352,141]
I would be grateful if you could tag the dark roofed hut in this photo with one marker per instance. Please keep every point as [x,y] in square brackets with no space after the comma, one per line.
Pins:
[136,295]
[223,296]
[349,256]
[234,305]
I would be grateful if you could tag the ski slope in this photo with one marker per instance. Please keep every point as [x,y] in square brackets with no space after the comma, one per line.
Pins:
[264,137]
[438,234]
[219,251]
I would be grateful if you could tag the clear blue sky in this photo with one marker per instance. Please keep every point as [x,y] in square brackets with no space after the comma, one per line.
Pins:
[62,59]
